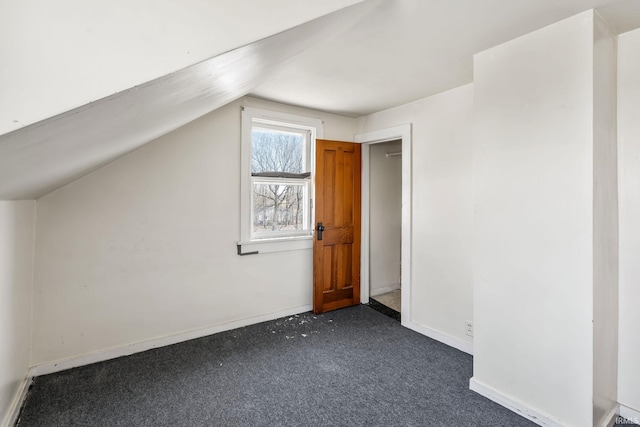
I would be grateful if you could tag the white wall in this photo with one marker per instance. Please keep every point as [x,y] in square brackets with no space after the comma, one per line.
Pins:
[385,217]
[17,221]
[629,185]
[605,224]
[538,260]
[60,55]
[441,276]
[146,246]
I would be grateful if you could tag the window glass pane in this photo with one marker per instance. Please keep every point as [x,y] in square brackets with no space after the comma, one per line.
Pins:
[277,151]
[280,207]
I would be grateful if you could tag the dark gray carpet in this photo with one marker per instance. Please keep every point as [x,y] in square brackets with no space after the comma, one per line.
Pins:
[351,367]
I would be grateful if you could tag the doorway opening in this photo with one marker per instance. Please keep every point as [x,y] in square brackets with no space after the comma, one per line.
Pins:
[386,221]
[385,227]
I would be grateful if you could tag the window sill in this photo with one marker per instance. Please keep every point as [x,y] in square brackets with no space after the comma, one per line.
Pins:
[275,245]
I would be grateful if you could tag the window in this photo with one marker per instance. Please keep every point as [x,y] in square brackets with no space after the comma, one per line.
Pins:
[280,181]
[277,179]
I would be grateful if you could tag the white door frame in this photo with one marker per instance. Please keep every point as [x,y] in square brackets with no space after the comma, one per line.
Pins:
[403,133]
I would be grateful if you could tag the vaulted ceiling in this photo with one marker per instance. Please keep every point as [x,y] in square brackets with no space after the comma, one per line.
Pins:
[83,83]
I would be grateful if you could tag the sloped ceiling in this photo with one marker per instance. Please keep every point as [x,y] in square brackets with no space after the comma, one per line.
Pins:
[56,55]
[411,49]
[76,65]
[39,158]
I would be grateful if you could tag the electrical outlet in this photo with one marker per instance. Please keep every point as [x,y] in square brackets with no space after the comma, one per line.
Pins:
[468,325]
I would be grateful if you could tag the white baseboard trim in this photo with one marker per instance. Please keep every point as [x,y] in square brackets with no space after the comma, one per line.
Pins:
[439,336]
[126,350]
[630,414]
[611,417]
[384,289]
[514,405]
[16,404]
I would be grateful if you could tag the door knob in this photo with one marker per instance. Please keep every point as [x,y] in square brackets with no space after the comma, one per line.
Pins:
[320,229]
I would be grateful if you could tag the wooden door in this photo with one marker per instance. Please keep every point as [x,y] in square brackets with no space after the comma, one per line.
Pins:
[336,250]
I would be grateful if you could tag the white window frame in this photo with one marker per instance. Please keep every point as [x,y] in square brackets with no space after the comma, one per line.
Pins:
[262,244]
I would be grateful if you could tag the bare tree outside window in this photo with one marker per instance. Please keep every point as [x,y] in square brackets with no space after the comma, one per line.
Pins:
[280,180]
